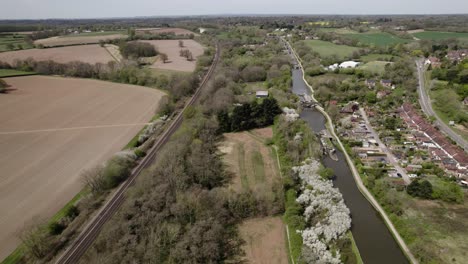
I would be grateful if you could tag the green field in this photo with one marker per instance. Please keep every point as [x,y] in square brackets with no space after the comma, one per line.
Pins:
[374,66]
[380,39]
[377,57]
[328,49]
[11,73]
[438,35]
[13,39]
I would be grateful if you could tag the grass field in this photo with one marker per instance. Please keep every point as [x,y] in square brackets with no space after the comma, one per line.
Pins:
[15,40]
[11,73]
[255,168]
[380,39]
[327,49]
[438,35]
[51,129]
[374,66]
[377,57]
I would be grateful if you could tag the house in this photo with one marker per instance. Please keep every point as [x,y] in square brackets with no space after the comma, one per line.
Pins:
[433,61]
[261,94]
[382,94]
[333,102]
[370,83]
[350,108]
[386,83]
[457,55]
[349,64]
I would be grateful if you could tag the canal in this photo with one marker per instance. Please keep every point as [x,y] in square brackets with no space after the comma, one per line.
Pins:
[374,240]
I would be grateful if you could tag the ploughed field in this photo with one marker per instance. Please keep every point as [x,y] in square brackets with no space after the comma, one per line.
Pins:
[53,128]
[175,61]
[77,39]
[86,53]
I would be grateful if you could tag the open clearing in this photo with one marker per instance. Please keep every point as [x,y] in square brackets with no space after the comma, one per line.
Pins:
[77,39]
[86,53]
[438,35]
[172,49]
[265,240]
[380,39]
[327,49]
[374,66]
[52,128]
[255,167]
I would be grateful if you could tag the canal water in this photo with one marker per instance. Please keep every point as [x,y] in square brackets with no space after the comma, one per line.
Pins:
[375,242]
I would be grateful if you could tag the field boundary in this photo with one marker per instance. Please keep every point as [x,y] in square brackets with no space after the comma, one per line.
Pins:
[365,192]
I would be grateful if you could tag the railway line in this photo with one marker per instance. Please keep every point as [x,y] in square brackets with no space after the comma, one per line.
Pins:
[84,240]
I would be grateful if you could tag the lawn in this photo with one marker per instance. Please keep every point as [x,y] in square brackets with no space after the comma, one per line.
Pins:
[380,39]
[374,66]
[438,35]
[11,73]
[328,49]
[377,57]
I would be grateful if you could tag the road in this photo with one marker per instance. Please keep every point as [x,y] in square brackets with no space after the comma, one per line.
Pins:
[391,158]
[426,106]
[84,240]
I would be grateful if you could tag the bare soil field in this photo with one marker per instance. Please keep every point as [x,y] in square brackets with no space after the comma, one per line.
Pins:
[53,128]
[86,53]
[172,49]
[265,240]
[177,31]
[76,40]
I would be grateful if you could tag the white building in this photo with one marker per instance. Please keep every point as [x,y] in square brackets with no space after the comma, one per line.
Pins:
[349,64]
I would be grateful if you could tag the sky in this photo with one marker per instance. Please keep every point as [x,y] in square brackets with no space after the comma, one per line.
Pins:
[33,9]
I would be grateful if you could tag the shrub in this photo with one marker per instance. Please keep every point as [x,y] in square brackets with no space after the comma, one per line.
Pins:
[116,171]
[140,153]
[56,228]
[72,212]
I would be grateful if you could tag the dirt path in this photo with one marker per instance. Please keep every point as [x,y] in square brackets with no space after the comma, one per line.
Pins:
[71,125]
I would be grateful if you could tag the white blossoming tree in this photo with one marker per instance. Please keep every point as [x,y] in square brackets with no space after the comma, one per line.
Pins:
[325,211]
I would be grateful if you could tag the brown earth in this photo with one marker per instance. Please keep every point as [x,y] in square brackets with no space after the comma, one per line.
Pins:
[76,40]
[177,31]
[51,129]
[86,53]
[265,240]
[172,49]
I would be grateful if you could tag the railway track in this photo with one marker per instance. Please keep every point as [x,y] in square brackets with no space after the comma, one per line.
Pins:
[92,229]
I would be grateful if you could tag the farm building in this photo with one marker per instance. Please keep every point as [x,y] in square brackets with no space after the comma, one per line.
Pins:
[261,94]
[386,83]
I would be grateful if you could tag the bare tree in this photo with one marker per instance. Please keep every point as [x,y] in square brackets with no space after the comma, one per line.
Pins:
[181,43]
[189,56]
[35,239]
[94,179]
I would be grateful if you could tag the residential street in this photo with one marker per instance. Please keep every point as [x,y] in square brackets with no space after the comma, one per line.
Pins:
[391,158]
[426,106]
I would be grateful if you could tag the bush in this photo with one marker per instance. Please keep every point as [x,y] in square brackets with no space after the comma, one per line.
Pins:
[56,228]
[140,153]
[422,189]
[116,171]
[72,212]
